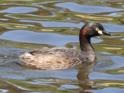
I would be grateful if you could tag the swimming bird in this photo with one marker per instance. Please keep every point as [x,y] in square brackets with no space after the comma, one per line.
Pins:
[64,58]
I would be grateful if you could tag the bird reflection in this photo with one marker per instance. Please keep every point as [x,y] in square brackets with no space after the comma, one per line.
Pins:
[83,77]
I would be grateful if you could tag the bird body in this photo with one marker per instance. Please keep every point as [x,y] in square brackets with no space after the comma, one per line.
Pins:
[48,58]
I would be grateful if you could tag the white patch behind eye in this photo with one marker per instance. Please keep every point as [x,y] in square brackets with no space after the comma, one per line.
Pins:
[99,31]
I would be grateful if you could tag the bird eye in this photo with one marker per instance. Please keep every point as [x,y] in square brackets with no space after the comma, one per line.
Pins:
[99,31]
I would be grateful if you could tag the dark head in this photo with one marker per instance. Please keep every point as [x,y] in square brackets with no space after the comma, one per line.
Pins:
[92,30]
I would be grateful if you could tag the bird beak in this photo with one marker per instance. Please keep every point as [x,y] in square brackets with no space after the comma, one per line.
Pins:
[106,33]
[100,32]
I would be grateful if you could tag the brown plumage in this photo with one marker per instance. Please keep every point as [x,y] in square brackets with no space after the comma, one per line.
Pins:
[64,58]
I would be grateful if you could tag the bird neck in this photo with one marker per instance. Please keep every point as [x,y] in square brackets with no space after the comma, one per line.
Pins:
[85,43]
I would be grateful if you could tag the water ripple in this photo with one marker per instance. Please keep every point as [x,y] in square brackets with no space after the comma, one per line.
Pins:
[29,24]
[86,8]
[16,10]
[38,38]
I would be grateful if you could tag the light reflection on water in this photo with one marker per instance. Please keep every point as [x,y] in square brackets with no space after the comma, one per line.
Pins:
[19,10]
[86,8]
[33,24]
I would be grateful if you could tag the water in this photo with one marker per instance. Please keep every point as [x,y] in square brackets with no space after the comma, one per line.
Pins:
[30,24]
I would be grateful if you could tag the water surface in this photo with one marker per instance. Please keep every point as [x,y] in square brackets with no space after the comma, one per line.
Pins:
[31,24]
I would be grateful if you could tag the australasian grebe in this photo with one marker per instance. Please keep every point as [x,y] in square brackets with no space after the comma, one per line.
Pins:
[63,58]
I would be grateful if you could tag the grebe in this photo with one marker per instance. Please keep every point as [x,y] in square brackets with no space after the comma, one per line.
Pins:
[64,58]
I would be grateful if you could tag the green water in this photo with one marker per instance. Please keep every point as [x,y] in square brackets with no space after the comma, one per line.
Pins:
[30,24]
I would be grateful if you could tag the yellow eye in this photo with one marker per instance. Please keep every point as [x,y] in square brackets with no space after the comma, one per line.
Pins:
[99,31]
